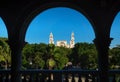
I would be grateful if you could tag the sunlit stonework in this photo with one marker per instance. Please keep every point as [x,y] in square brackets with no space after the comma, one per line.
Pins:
[63,43]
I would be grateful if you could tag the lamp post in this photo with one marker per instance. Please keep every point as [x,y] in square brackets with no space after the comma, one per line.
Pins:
[30,64]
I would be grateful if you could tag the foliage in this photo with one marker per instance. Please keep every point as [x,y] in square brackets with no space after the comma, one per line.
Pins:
[44,56]
[84,54]
[51,56]
[61,56]
[5,53]
[34,53]
[51,63]
[114,56]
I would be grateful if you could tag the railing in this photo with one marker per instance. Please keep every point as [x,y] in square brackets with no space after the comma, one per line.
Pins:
[36,75]
[59,75]
[5,76]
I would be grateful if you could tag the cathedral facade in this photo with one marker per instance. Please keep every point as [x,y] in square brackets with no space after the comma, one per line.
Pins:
[62,43]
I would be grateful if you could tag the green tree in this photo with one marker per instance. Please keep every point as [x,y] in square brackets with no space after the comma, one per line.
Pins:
[51,63]
[40,51]
[38,61]
[5,52]
[84,54]
[27,55]
[114,57]
[45,56]
[61,56]
[34,54]
[50,55]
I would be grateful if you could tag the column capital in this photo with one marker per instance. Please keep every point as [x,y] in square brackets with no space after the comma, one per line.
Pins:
[102,42]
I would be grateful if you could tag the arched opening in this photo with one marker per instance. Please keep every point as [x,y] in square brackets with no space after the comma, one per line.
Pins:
[115,45]
[5,52]
[50,35]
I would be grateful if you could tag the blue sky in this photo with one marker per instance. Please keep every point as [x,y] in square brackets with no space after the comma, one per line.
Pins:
[62,22]
[115,31]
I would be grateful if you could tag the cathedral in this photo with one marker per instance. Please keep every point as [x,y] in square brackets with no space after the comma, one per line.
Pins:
[63,43]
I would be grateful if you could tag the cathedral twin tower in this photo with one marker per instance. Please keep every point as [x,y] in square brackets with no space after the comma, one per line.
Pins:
[63,43]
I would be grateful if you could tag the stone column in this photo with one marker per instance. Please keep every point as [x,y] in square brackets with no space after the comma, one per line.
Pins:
[16,61]
[102,46]
[16,66]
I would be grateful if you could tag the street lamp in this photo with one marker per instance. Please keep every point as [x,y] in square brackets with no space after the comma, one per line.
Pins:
[30,64]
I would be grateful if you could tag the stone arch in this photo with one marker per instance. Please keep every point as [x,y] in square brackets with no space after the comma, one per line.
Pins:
[5,59]
[4,28]
[115,34]
[38,9]
[101,13]
[113,30]
[116,9]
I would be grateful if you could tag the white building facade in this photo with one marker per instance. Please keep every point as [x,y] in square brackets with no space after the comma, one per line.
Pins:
[62,43]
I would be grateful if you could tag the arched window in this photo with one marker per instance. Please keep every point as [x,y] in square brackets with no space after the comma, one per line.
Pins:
[65,25]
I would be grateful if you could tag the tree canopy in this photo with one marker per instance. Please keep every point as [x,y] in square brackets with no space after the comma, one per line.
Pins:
[5,53]
[49,56]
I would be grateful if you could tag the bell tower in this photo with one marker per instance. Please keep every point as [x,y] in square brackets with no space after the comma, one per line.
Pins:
[51,40]
[72,41]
